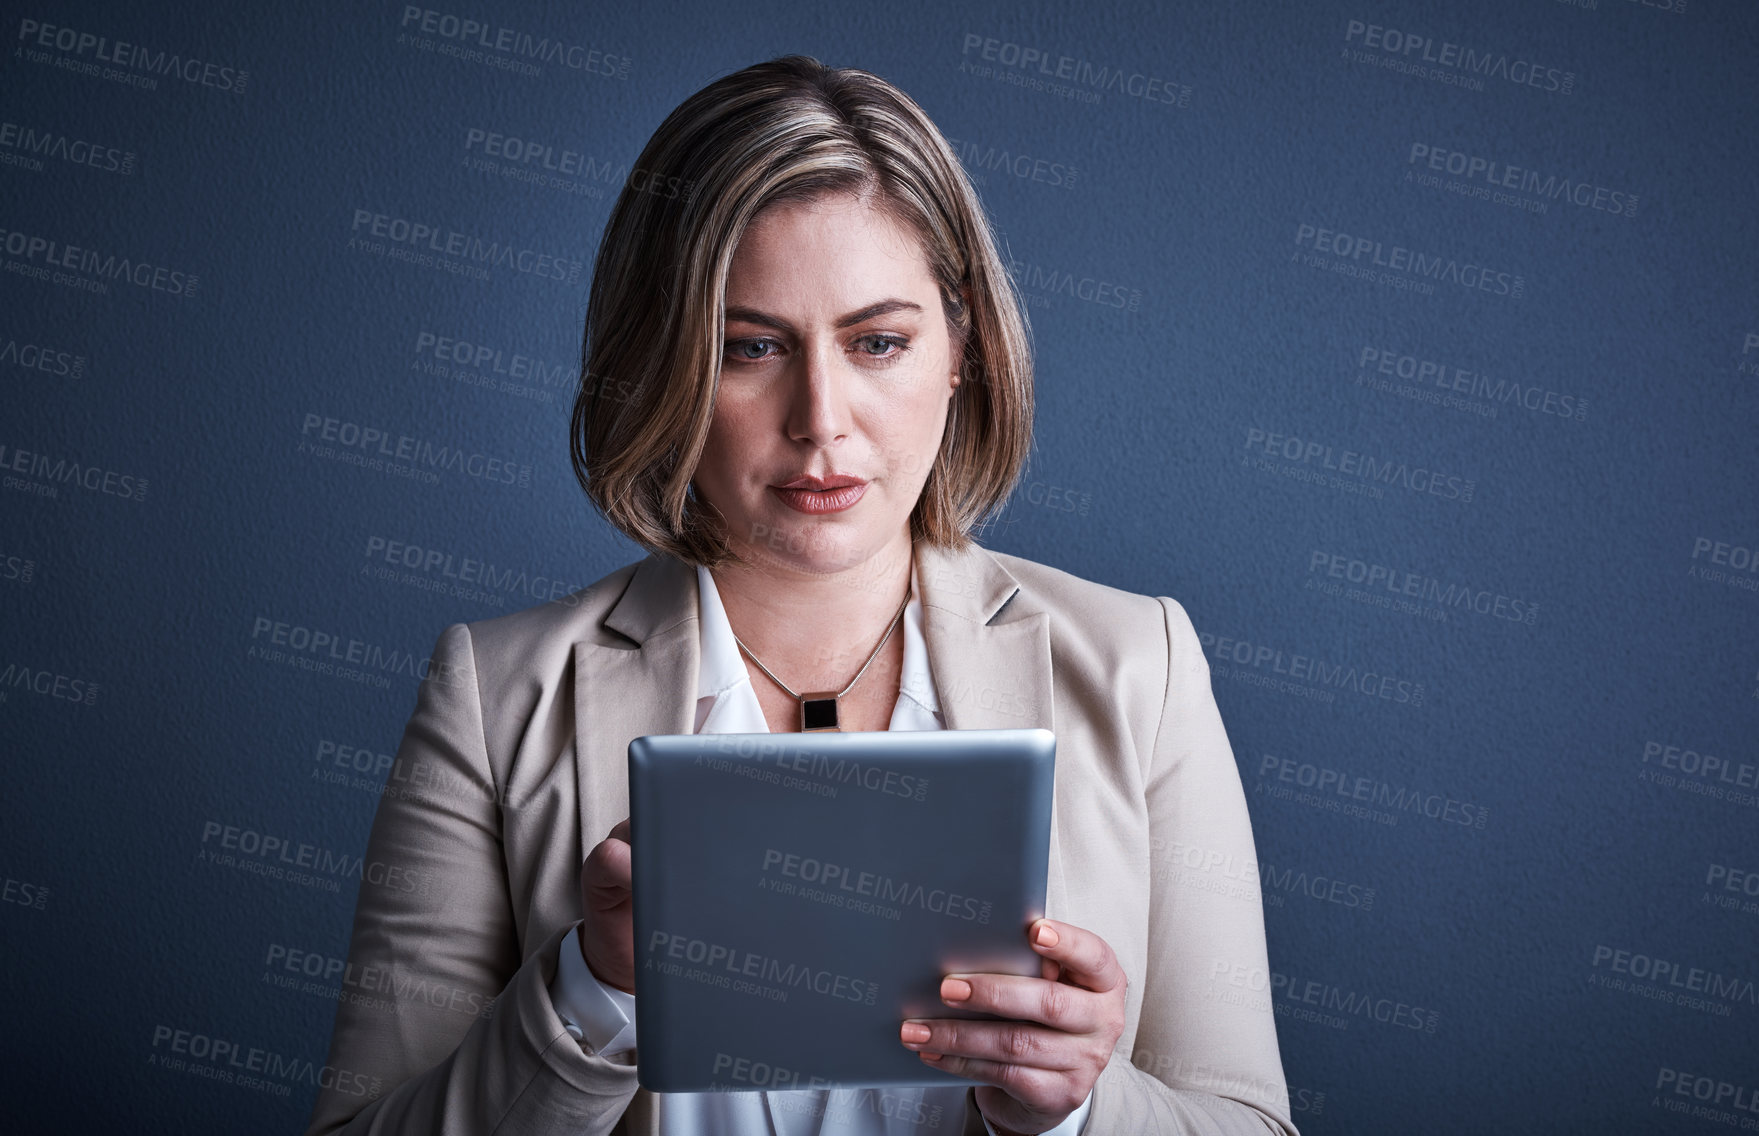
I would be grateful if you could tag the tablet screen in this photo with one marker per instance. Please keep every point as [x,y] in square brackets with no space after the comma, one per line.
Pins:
[796,896]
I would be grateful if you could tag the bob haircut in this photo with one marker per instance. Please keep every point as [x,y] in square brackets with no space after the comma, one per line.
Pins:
[788,130]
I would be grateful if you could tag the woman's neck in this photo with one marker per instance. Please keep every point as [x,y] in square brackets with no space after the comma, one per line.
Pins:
[815,630]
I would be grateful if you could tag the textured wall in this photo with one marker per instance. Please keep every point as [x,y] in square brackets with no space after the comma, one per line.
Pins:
[1414,348]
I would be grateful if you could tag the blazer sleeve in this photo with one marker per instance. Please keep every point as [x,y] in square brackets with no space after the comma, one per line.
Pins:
[1206,1058]
[446,1024]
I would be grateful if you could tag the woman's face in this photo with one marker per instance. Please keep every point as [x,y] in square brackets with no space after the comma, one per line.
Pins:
[834,385]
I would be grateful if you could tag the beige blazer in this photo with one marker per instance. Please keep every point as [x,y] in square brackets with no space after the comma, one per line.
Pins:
[513,765]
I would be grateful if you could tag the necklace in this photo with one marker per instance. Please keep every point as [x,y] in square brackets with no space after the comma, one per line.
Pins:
[818,709]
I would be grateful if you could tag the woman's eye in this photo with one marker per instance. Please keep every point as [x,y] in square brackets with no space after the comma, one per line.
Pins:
[748,350]
[881,346]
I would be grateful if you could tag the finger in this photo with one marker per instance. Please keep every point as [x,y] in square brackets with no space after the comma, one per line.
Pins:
[1084,958]
[1016,1080]
[620,831]
[1059,1005]
[607,867]
[999,1043]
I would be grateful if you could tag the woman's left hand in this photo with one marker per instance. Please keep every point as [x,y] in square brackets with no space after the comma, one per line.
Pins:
[1040,1066]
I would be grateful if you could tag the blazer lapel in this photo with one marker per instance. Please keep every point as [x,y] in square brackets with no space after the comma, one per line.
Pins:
[989,650]
[624,690]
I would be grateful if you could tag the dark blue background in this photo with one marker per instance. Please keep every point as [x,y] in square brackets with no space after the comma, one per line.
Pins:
[1143,476]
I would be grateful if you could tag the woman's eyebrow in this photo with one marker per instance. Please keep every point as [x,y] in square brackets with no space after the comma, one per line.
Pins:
[883,307]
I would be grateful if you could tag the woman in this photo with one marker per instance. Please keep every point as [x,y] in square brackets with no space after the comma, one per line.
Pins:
[806,380]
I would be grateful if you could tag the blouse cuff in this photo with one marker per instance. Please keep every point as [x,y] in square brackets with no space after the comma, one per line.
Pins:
[601,1017]
[1071,1125]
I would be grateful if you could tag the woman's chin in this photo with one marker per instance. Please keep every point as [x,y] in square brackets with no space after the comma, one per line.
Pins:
[810,549]
[821,560]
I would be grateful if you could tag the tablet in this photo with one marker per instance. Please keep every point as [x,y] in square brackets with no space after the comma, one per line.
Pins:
[797,896]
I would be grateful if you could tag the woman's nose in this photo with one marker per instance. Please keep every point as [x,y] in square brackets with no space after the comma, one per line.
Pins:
[818,408]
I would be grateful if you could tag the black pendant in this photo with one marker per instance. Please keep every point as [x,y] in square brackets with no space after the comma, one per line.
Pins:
[818,712]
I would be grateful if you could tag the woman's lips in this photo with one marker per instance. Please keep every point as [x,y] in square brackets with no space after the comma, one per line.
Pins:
[818,501]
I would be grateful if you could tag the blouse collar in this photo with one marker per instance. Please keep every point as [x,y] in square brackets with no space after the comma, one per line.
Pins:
[727,703]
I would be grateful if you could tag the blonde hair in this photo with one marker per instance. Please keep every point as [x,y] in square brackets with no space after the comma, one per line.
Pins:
[790,129]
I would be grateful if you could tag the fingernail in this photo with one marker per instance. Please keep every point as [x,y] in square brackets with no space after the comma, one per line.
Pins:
[914,1032]
[931,1058]
[1046,936]
[955,990]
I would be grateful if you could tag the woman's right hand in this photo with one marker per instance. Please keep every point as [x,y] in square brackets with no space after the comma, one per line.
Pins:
[607,936]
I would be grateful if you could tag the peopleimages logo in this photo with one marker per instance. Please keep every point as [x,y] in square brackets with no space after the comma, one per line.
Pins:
[1705,766]
[17,568]
[1373,792]
[84,46]
[832,771]
[1469,274]
[1438,383]
[1735,556]
[1453,595]
[1413,51]
[1225,1082]
[1361,469]
[25,145]
[1035,278]
[48,683]
[871,885]
[1309,669]
[53,472]
[516,47]
[1312,1000]
[281,857]
[60,263]
[1677,7]
[313,972]
[549,166]
[1719,562]
[51,360]
[1500,175]
[1268,880]
[1669,981]
[980,157]
[443,355]
[379,449]
[725,966]
[1708,1098]
[249,1066]
[419,238]
[467,577]
[275,640]
[1095,78]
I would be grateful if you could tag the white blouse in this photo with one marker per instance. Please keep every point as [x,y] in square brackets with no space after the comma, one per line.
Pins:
[603,1017]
